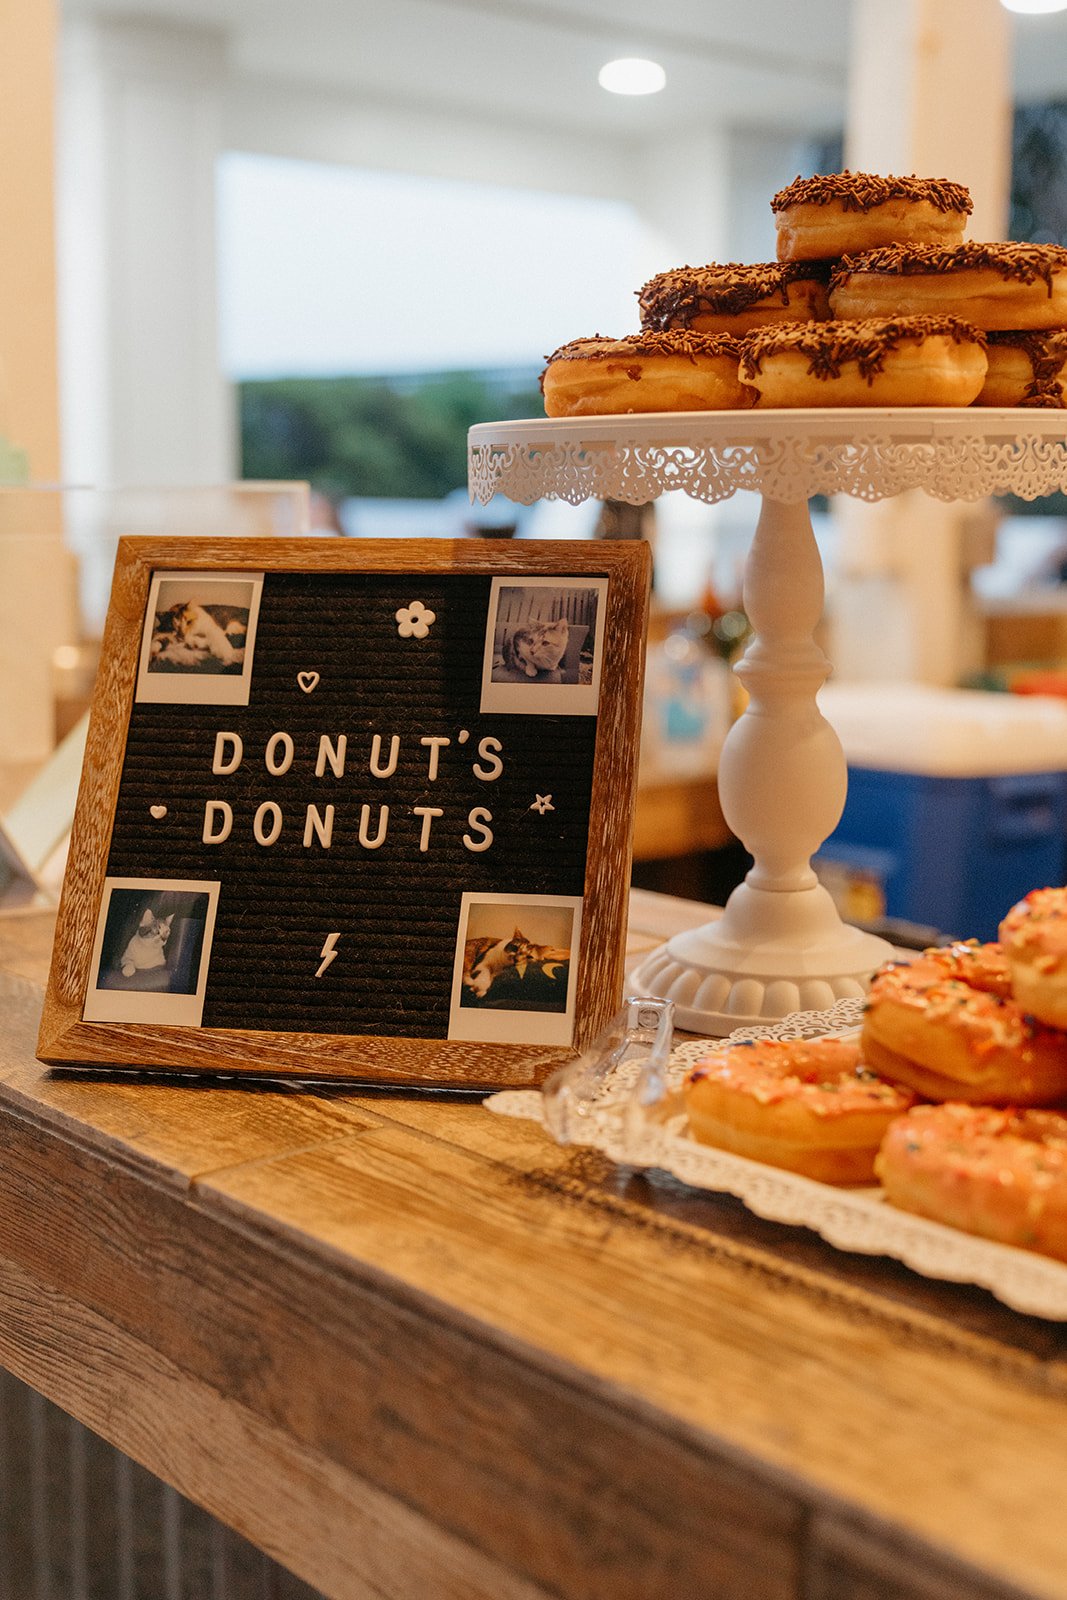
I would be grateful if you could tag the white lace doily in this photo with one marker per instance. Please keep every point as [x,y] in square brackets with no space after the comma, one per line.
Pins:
[953,453]
[855,1220]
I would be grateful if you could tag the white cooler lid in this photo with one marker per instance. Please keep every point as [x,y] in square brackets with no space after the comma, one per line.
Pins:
[946,733]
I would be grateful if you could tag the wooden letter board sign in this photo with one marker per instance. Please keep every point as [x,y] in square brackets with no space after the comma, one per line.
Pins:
[354,809]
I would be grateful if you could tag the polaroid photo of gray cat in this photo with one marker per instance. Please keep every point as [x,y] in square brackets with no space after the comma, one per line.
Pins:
[514,978]
[544,643]
[199,638]
[152,951]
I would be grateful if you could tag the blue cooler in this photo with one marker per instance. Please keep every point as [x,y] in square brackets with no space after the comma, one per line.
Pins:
[956,808]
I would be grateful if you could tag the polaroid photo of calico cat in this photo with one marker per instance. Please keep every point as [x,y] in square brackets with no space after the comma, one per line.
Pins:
[516,966]
[544,646]
[152,951]
[199,638]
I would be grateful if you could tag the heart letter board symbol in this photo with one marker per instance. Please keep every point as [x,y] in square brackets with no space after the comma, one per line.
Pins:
[157,812]
[307,681]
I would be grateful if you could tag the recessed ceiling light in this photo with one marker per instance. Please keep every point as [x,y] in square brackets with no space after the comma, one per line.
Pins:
[1034,8]
[632,76]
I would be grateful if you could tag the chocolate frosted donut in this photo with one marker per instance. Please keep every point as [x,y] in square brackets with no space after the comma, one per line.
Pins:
[651,371]
[840,213]
[1025,369]
[731,298]
[1009,286]
[900,361]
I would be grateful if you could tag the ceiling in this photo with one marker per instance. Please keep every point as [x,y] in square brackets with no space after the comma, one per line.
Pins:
[538,59]
[763,64]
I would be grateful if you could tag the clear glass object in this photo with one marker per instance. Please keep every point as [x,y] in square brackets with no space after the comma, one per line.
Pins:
[623,1098]
[633,1051]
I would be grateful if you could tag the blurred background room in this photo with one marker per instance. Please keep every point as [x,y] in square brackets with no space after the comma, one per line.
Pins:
[262,264]
[269,263]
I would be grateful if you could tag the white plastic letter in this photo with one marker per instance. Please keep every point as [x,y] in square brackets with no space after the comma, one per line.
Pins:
[323,826]
[225,764]
[217,811]
[427,813]
[478,819]
[333,753]
[487,749]
[273,765]
[274,812]
[377,770]
[364,827]
[436,743]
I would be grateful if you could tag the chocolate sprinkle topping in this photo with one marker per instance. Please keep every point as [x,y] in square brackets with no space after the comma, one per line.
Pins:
[723,289]
[1047,354]
[867,341]
[862,191]
[675,342]
[1025,263]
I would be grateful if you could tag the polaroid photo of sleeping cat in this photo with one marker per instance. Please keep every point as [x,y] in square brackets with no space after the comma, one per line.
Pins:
[199,637]
[152,951]
[515,970]
[544,642]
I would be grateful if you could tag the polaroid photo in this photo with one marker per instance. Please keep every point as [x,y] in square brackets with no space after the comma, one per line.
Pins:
[544,646]
[199,638]
[515,974]
[152,951]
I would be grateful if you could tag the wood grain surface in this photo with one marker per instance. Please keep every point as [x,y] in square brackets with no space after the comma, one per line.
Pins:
[66,1038]
[416,1350]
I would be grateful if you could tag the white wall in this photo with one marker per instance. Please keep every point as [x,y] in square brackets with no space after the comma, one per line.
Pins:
[141,128]
[148,108]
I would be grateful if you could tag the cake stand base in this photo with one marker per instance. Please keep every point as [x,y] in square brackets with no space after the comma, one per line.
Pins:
[770,954]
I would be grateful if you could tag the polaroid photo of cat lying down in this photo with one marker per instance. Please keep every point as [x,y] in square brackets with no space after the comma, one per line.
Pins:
[199,637]
[544,646]
[152,951]
[515,972]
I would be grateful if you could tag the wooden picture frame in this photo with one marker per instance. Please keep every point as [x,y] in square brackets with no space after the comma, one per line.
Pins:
[202,815]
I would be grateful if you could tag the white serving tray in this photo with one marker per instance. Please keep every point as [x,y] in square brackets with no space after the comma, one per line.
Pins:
[637,1128]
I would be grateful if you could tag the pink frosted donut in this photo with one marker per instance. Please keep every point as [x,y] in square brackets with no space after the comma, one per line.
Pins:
[1034,937]
[944,1025]
[999,1174]
[811,1106]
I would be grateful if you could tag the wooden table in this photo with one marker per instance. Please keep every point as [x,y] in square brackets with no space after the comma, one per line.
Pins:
[418,1352]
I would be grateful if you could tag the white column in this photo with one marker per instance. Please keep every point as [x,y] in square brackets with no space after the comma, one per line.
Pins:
[929,93]
[681,189]
[143,398]
[36,579]
[28,384]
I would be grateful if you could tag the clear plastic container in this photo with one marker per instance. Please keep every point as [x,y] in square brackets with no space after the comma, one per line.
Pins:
[627,1062]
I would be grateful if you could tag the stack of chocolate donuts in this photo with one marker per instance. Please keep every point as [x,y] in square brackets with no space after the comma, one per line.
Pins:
[953,1093]
[875,299]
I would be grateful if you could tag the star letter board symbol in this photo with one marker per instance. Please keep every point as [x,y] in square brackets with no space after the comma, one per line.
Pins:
[542,804]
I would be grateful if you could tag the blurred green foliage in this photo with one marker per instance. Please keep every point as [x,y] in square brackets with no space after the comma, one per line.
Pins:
[406,437]
[403,438]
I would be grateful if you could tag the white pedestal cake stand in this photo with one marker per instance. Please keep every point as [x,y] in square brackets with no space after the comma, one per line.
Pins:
[780,945]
